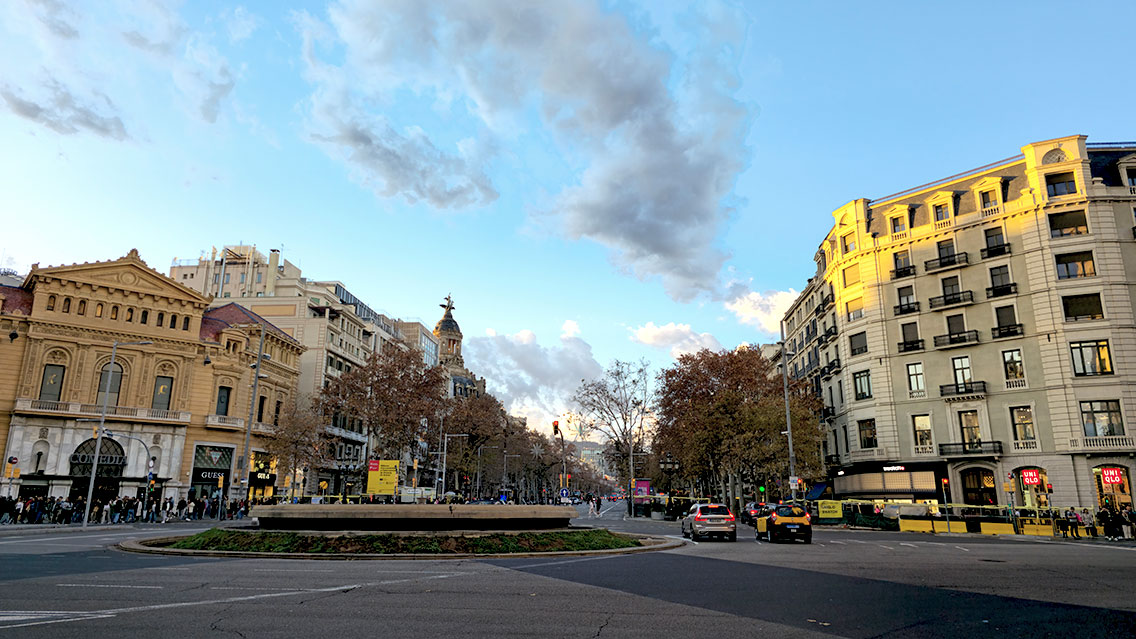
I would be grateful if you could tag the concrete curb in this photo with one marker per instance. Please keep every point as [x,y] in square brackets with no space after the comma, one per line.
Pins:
[19,530]
[652,544]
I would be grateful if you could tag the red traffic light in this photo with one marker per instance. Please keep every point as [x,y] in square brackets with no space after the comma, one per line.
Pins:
[1049,488]
[946,481]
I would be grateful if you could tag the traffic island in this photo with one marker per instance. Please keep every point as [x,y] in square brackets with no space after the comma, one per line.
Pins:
[360,545]
[411,517]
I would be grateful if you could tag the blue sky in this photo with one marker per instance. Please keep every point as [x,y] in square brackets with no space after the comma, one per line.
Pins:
[589,181]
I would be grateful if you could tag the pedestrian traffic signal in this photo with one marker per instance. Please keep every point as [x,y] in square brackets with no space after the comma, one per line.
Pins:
[761,489]
[1049,488]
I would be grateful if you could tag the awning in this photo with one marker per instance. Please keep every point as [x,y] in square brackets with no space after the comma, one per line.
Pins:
[816,491]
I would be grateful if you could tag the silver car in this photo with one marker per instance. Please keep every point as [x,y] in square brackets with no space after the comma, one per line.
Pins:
[704,520]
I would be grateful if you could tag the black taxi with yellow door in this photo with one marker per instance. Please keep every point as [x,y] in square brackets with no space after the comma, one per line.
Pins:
[783,522]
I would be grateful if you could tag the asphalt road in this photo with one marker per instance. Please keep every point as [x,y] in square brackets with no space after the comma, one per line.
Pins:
[847,584]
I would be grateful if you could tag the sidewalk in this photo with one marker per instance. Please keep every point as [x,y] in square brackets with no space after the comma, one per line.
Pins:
[14,530]
[1099,540]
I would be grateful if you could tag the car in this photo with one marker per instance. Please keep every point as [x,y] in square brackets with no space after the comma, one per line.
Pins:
[784,521]
[703,520]
[749,514]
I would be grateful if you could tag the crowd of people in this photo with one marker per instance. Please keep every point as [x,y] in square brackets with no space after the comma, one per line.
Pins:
[1109,522]
[121,510]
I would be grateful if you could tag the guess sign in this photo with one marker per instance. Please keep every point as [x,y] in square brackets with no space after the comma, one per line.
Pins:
[1111,476]
[1031,477]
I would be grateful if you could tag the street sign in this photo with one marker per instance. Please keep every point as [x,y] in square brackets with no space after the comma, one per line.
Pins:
[13,460]
[793,480]
[564,492]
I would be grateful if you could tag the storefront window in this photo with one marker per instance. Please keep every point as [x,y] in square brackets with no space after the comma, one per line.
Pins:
[1113,487]
[1032,485]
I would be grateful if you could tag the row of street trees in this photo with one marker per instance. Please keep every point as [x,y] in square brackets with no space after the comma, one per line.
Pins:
[719,415]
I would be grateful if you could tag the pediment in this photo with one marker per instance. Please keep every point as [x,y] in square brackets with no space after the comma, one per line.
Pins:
[129,273]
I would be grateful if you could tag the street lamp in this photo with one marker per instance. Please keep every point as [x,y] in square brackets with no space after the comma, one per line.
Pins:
[505,471]
[479,467]
[785,354]
[102,421]
[445,449]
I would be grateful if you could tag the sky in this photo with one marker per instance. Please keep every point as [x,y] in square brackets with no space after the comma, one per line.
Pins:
[589,180]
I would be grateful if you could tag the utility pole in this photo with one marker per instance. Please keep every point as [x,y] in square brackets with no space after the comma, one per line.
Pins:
[788,417]
[243,466]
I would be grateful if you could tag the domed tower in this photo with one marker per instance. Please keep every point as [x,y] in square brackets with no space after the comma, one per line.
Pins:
[449,337]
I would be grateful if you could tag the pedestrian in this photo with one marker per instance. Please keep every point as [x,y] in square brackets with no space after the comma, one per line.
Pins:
[1062,524]
[1104,516]
[1128,521]
[1071,518]
[1088,523]
[189,509]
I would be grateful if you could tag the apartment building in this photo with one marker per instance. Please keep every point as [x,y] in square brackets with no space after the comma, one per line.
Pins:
[974,339]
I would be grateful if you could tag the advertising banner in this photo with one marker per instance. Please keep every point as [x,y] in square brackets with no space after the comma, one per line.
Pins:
[1031,476]
[1111,476]
[382,476]
[642,489]
[830,510]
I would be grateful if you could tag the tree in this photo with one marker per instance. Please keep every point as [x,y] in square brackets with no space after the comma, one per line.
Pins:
[298,440]
[391,395]
[616,404]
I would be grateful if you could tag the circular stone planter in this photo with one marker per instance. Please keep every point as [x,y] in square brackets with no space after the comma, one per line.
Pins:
[157,546]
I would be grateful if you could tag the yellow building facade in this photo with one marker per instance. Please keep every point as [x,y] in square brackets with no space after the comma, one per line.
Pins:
[178,394]
[980,330]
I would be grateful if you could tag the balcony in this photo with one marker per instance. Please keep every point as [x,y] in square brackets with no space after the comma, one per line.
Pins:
[829,333]
[952,340]
[962,388]
[343,433]
[911,346]
[947,261]
[223,421]
[832,460]
[1016,384]
[991,211]
[908,271]
[924,450]
[828,412]
[952,299]
[1001,290]
[995,250]
[869,454]
[94,410]
[963,449]
[826,303]
[906,307]
[261,428]
[1106,443]
[1025,444]
[1008,330]
[916,393]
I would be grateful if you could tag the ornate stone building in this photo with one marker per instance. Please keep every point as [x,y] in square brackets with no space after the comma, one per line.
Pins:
[463,382]
[177,395]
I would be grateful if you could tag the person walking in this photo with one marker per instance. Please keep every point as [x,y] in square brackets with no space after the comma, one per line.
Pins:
[1127,521]
[1074,522]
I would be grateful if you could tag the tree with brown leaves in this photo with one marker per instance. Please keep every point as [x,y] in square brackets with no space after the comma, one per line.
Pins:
[298,441]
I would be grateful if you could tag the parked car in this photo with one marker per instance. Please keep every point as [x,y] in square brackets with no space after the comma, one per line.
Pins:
[784,521]
[703,520]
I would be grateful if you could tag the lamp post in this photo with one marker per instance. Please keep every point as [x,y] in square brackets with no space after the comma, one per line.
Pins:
[102,421]
[445,450]
[243,463]
[505,471]
[479,468]
[788,419]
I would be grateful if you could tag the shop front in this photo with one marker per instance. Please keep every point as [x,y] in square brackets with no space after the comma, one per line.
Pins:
[978,487]
[112,463]
[897,482]
[1032,487]
[1113,487]
[211,468]
[262,479]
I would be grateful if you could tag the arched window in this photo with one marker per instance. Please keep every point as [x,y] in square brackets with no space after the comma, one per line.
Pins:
[145,316]
[185,323]
[130,315]
[51,302]
[114,312]
[1113,487]
[51,388]
[173,320]
[161,320]
[82,307]
[98,310]
[67,305]
[110,380]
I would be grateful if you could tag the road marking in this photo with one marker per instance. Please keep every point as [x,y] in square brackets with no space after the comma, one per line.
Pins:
[262,588]
[109,586]
[836,542]
[883,546]
[557,563]
[962,549]
[680,539]
[164,568]
[857,541]
[935,543]
[44,616]
[904,543]
[135,533]
[286,570]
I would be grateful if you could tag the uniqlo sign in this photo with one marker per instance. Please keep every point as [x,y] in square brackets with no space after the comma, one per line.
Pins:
[1111,476]
[1031,477]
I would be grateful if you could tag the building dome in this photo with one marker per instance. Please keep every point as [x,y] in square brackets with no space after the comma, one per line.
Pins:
[447,324]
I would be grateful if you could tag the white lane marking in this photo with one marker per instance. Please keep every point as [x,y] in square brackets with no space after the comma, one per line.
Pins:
[857,541]
[286,570]
[904,543]
[164,568]
[935,543]
[883,546]
[557,563]
[836,542]
[680,539]
[109,586]
[260,588]
[607,510]
[962,549]
[135,533]
[820,544]
[53,616]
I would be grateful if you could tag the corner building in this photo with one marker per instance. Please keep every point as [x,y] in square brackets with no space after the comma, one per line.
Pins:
[980,329]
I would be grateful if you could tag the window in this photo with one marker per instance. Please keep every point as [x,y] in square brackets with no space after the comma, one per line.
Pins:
[1060,184]
[951,286]
[848,243]
[1091,358]
[82,307]
[1012,365]
[942,212]
[840,390]
[1065,224]
[898,225]
[921,424]
[227,275]
[961,366]
[1022,417]
[163,386]
[216,278]
[51,302]
[223,394]
[1000,277]
[852,275]
[1102,418]
[161,320]
[258,277]
[110,380]
[858,343]
[946,249]
[855,309]
[968,424]
[1005,316]
[902,259]
[905,295]
[242,278]
[910,331]
[185,323]
[862,382]
[989,199]
[1079,264]
[114,312]
[956,324]
[276,413]
[51,389]
[98,310]
[173,320]
[867,433]
[260,408]
[994,237]
[915,382]
[67,305]
[1082,307]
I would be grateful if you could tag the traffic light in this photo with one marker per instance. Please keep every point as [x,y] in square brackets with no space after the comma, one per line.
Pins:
[761,489]
[1049,488]
[555,427]
[946,481]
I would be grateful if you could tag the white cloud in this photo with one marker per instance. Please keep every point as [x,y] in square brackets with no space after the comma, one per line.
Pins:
[763,310]
[569,329]
[239,23]
[532,380]
[658,164]
[679,338]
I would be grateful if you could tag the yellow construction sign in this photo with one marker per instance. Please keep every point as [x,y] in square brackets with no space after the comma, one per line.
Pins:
[382,476]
